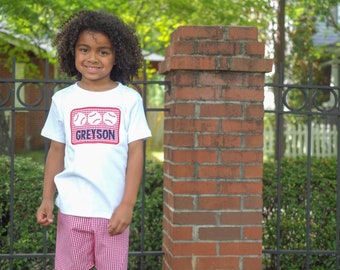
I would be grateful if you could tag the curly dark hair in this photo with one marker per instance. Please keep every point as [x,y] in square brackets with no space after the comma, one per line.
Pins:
[128,54]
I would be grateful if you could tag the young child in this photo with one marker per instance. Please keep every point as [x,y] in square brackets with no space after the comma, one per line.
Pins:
[97,127]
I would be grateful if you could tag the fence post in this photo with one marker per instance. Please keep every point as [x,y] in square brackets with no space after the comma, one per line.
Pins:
[213,138]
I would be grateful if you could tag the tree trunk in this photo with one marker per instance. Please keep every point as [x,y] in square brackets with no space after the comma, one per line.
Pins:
[279,63]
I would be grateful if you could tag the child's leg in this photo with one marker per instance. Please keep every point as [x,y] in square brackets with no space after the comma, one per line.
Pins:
[75,243]
[111,252]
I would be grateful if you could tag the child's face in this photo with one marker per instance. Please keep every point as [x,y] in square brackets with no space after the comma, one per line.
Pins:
[94,59]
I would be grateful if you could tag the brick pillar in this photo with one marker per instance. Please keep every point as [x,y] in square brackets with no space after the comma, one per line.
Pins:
[213,137]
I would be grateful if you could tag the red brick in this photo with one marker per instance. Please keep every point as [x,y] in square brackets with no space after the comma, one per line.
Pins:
[183,109]
[180,233]
[183,202]
[186,47]
[242,33]
[219,202]
[197,93]
[241,248]
[192,63]
[255,48]
[220,110]
[237,156]
[217,263]
[254,80]
[253,202]
[251,64]
[221,79]
[251,263]
[219,140]
[241,218]
[254,111]
[190,155]
[194,218]
[179,139]
[253,171]
[194,249]
[252,233]
[194,187]
[183,263]
[197,32]
[254,141]
[218,233]
[179,171]
[167,213]
[241,187]
[214,191]
[255,126]
[192,125]
[223,63]
[214,171]
[242,94]
[208,47]
[183,79]
[167,181]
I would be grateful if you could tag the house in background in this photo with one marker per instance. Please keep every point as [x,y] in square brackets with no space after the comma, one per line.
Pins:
[30,99]
[329,38]
[27,123]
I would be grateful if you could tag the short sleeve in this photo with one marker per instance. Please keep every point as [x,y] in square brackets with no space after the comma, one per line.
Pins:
[54,125]
[138,127]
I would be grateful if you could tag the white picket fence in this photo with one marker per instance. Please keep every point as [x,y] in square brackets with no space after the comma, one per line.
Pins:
[324,142]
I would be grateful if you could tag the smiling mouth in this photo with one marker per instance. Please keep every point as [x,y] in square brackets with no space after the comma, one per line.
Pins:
[92,69]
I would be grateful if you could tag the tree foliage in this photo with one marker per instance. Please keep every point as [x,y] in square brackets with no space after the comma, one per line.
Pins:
[38,21]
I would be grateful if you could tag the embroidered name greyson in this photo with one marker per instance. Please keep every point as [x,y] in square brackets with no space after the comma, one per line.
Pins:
[95,125]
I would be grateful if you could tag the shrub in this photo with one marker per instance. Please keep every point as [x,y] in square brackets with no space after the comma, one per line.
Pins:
[295,195]
[152,215]
[28,236]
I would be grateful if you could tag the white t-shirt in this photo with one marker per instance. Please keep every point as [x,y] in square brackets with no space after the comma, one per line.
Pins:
[96,128]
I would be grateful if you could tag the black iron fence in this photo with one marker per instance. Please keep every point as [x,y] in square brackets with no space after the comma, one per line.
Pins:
[301,212]
[24,104]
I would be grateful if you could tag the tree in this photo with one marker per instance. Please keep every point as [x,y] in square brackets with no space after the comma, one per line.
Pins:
[38,21]
[292,32]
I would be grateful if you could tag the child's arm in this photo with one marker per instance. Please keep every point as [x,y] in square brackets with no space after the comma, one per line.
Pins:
[122,216]
[54,165]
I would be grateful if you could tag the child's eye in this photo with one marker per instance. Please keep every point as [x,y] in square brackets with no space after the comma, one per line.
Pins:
[104,52]
[83,50]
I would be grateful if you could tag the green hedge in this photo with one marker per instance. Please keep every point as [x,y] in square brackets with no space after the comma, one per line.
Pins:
[28,236]
[293,230]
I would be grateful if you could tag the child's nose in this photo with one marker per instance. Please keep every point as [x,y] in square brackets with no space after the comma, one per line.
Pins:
[92,57]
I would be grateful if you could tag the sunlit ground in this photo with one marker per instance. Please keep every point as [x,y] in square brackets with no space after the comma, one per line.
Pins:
[157,155]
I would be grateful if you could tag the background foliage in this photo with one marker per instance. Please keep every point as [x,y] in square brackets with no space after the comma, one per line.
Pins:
[296,202]
[28,236]
[155,20]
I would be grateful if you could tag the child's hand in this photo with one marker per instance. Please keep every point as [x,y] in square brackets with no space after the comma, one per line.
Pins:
[44,214]
[121,219]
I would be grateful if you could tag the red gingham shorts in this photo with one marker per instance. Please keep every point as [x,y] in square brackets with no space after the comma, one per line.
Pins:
[83,243]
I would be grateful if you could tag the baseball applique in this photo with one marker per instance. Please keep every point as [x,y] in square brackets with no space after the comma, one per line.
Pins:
[95,125]
[94,118]
[110,118]
[79,119]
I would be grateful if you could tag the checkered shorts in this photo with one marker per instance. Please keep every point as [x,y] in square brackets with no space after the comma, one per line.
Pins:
[83,243]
